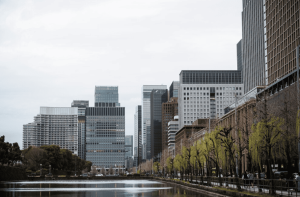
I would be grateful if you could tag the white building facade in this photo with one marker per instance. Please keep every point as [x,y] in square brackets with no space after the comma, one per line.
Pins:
[205,94]
[53,126]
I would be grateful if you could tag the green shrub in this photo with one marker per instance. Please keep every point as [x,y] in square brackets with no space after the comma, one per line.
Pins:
[12,173]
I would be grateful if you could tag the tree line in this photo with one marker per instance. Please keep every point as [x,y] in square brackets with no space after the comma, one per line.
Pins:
[32,157]
[59,159]
[265,135]
[9,153]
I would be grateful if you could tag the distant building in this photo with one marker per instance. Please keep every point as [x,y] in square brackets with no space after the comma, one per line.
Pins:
[129,163]
[169,111]
[253,45]
[157,98]
[138,154]
[239,54]
[53,126]
[81,105]
[173,90]
[172,129]
[128,146]
[105,129]
[146,91]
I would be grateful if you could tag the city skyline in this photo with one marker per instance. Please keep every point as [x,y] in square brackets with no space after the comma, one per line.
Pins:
[61,66]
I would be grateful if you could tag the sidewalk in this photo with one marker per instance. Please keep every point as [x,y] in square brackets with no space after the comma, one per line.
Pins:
[254,188]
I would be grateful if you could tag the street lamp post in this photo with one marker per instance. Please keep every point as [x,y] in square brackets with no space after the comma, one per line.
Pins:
[49,169]
[297,61]
[41,169]
[75,163]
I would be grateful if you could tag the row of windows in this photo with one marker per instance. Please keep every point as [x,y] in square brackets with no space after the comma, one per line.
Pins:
[105,151]
[207,88]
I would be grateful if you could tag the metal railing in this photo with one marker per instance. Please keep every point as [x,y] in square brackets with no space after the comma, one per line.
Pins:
[284,187]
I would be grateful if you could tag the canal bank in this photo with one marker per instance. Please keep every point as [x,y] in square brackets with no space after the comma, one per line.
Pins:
[213,191]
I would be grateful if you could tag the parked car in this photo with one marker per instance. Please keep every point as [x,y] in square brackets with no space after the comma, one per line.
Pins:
[84,175]
[99,174]
[281,175]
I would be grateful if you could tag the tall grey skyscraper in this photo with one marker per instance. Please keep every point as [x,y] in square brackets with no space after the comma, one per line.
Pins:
[205,93]
[138,135]
[174,89]
[105,129]
[157,98]
[239,54]
[81,105]
[146,91]
[53,125]
[253,44]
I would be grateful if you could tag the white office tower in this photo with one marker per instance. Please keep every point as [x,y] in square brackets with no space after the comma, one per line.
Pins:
[146,92]
[172,129]
[53,126]
[205,93]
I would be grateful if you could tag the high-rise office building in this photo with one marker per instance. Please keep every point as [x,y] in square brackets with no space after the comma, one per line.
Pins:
[53,126]
[157,98]
[239,54]
[253,44]
[173,90]
[138,135]
[169,110]
[205,93]
[81,105]
[146,91]
[282,33]
[105,129]
[128,146]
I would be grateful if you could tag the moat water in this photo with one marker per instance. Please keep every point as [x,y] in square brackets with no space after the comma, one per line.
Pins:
[93,188]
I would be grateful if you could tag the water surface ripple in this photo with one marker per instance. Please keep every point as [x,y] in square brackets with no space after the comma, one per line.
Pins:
[93,188]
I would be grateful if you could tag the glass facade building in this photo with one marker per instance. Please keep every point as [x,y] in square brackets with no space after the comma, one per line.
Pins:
[128,146]
[173,90]
[81,105]
[239,54]
[105,129]
[138,135]
[157,98]
[205,94]
[146,139]
[53,126]
[106,96]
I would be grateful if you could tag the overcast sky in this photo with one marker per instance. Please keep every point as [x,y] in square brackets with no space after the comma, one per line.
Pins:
[54,52]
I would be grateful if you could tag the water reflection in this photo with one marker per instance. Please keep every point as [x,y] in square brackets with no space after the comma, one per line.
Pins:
[136,188]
